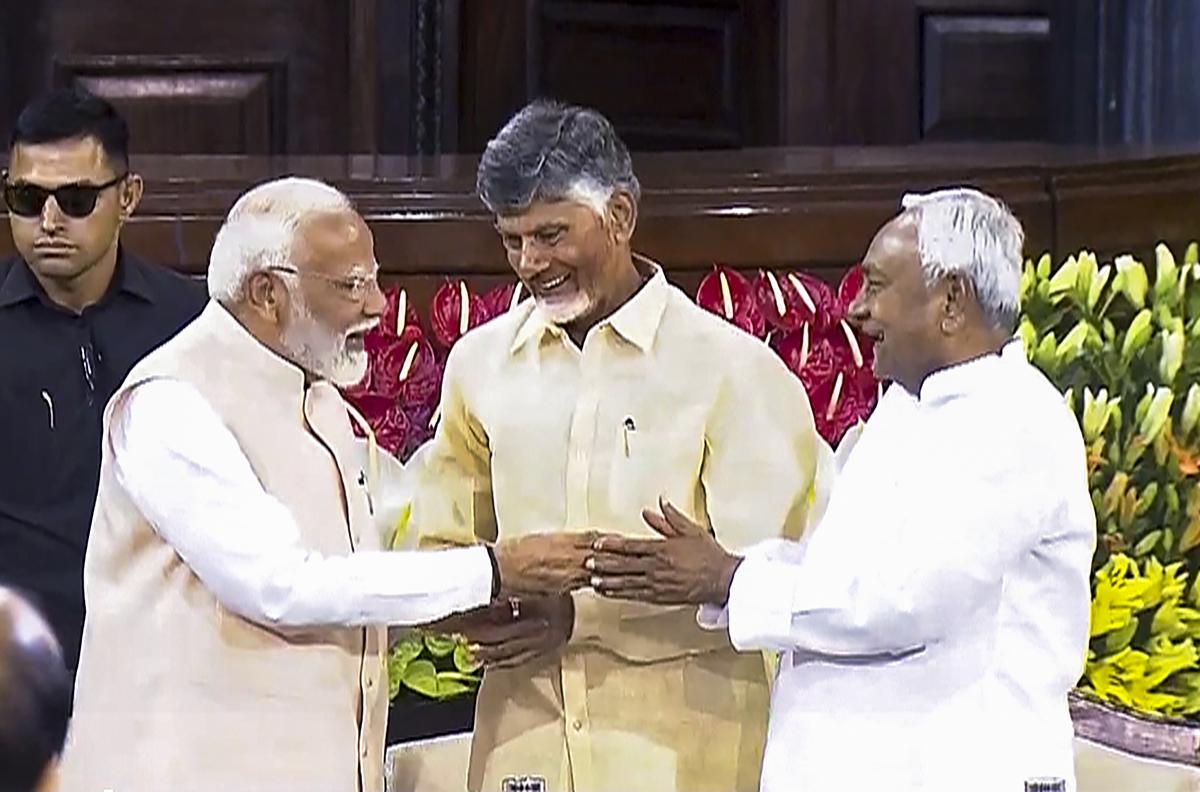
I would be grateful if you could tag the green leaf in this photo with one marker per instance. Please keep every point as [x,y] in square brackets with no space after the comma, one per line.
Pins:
[1117,640]
[1147,543]
[449,688]
[440,645]
[421,676]
[464,661]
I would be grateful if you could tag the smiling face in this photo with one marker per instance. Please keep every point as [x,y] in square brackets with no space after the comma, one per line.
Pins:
[569,259]
[334,300]
[898,309]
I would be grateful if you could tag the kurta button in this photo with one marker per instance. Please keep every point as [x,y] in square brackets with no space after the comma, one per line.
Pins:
[577,725]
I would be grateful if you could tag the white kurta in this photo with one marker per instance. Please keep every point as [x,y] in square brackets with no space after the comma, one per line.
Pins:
[184,469]
[935,619]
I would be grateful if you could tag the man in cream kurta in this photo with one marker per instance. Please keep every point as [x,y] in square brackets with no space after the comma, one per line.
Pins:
[237,598]
[576,410]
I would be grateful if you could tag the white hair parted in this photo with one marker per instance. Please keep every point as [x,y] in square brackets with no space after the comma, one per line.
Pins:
[260,229]
[964,231]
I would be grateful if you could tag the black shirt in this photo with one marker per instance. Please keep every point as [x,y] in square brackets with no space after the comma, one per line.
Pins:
[58,369]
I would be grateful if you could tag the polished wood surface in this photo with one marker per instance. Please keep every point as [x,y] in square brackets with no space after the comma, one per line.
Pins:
[802,208]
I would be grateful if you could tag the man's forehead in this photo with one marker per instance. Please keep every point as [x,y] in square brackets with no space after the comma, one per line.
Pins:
[339,238]
[893,244]
[60,162]
[540,214]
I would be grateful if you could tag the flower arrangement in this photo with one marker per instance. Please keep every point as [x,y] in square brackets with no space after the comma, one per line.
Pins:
[1125,352]
[801,317]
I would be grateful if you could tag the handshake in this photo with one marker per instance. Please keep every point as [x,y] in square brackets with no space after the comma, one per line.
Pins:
[534,614]
[686,566]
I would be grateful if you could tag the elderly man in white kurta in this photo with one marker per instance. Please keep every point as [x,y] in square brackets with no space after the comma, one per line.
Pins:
[934,620]
[237,597]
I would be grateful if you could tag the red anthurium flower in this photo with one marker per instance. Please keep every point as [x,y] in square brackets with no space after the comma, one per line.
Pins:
[389,323]
[392,430]
[836,408]
[372,407]
[848,289]
[724,292]
[403,364]
[807,355]
[501,299]
[814,296]
[750,319]
[454,311]
[789,301]
[727,293]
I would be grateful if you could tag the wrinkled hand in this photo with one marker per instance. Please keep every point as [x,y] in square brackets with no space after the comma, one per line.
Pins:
[686,566]
[549,563]
[500,639]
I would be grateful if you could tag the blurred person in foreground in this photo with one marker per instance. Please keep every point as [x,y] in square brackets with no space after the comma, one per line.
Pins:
[936,617]
[35,698]
[237,596]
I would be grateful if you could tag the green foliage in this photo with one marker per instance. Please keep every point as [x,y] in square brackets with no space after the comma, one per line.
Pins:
[432,666]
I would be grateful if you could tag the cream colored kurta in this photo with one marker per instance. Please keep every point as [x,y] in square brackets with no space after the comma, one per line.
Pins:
[175,692]
[537,435]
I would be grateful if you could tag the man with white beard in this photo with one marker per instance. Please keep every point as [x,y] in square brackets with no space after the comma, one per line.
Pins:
[236,593]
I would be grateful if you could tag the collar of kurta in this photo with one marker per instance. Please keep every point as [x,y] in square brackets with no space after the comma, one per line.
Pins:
[960,379]
[272,369]
[636,321]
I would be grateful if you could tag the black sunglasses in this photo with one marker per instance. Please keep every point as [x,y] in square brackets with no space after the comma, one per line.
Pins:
[75,200]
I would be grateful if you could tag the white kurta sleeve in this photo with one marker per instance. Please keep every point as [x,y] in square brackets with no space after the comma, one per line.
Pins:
[939,552]
[185,471]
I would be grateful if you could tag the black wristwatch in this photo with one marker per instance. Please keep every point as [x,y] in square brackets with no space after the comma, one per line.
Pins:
[491,551]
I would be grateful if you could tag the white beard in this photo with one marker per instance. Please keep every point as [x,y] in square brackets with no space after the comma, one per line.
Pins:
[320,351]
[561,312]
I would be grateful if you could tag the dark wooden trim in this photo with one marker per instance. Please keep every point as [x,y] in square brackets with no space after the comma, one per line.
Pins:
[395,106]
[800,208]
[807,68]
[363,76]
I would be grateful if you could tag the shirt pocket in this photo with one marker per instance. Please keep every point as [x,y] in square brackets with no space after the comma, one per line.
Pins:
[647,463]
[42,430]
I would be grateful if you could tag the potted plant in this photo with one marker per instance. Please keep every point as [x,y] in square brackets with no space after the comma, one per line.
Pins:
[1125,351]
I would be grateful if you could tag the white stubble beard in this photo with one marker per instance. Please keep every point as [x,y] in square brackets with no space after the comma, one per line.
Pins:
[320,351]
[562,312]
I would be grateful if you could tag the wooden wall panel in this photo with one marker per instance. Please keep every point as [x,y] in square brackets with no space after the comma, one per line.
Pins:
[427,77]
[600,55]
[905,71]
[984,77]
[177,105]
[670,75]
[256,76]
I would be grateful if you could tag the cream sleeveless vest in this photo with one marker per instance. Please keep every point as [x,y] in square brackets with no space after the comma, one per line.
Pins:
[176,693]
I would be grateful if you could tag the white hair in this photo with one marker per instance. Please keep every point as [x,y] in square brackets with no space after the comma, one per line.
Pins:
[964,231]
[260,230]
[591,194]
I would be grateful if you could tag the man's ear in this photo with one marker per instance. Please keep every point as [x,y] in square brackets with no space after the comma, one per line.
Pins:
[130,195]
[264,295]
[954,303]
[623,211]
